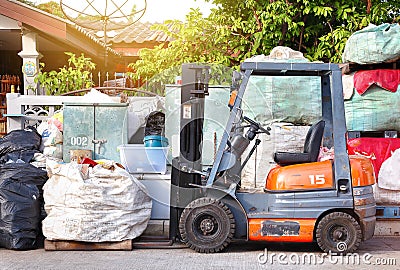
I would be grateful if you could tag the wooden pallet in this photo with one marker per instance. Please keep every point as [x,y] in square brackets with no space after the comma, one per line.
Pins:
[77,245]
[152,242]
[388,212]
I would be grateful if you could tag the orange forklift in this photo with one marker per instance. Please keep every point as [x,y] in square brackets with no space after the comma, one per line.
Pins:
[330,202]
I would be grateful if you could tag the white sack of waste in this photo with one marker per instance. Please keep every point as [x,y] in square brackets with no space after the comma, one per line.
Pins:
[93,204]
[95,96]
[389,174]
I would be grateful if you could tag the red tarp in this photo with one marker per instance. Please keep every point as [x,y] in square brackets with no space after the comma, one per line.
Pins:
[388,79]
[377,149]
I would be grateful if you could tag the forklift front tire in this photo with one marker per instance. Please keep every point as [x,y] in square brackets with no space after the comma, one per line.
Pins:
[207,225]
[339,233]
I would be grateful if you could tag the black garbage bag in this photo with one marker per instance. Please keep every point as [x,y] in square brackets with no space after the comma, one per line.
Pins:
[155,123]
[24,155]
[18,140]
[24,172]
[21,205]
[20,215]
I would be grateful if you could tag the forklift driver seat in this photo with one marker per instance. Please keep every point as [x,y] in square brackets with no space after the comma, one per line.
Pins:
[311,147]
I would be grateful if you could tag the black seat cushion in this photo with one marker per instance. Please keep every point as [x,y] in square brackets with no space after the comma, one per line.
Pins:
[312,145]
[288,158]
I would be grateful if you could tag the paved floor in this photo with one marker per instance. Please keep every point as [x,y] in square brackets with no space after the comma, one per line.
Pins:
[378,253]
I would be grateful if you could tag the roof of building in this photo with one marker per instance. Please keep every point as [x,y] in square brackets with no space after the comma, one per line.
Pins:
[125,42]
[140,33]
[51,25]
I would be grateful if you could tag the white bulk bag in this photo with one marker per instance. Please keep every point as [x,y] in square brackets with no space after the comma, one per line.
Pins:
[93,204]
[389,174]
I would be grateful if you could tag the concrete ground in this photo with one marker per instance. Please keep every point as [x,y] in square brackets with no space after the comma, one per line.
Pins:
[377,253]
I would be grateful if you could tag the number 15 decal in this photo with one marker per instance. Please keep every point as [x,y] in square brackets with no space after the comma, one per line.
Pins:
[318,179]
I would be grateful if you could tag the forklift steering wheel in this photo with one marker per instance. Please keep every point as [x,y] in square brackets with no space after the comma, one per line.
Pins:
[258,125]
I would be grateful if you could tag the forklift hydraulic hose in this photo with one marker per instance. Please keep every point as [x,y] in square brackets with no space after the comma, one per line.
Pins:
[256,143]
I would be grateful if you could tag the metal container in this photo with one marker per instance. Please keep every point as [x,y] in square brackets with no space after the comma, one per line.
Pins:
[99,127]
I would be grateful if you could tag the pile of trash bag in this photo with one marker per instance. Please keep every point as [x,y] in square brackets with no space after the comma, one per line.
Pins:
[52,137]
[21,204]
[21,195]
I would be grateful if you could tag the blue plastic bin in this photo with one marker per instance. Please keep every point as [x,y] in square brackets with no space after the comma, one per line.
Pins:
[155,141]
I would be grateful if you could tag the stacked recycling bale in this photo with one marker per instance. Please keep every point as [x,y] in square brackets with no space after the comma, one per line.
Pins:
[371,55]
[371,83]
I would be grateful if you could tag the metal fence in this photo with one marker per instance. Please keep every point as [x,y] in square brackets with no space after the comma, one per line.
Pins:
[25,110]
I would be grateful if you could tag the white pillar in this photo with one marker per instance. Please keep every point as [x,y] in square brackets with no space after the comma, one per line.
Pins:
[30,62]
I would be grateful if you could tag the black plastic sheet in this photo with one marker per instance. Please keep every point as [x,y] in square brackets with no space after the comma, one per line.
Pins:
[155,123]
[20,140]
[20,155]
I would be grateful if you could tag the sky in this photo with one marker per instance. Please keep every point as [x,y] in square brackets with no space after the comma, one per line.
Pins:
[160,10]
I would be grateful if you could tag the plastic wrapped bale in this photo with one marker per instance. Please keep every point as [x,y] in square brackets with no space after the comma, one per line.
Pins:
[285,99]
[374,110]
[94,204]
[20,205]
[373,44]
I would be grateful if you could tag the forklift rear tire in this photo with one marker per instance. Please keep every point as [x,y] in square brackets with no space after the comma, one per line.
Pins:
[207,225]
[338,232]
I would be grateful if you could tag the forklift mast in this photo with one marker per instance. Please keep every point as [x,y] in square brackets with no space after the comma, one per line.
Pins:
[193,91]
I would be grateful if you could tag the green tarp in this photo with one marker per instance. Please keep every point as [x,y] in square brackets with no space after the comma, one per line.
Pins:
[373,44]
[377,109]
[298,100]
[285,99]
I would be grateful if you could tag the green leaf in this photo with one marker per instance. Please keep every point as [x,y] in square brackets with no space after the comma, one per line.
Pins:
[75,76]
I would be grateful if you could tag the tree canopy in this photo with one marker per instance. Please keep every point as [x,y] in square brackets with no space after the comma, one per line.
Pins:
[317,28]
[236,30]
[52,7]
[191,41]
